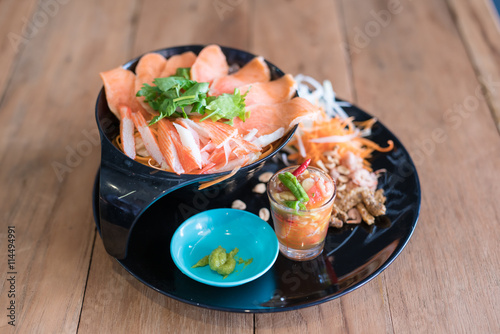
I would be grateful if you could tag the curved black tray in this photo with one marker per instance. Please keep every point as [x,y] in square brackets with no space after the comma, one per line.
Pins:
[353,255]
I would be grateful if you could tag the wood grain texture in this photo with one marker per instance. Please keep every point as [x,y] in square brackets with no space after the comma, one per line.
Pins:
[115,302]
[133,311]
[18,28]
[49,152]
[307,38]
[479,26]
[416,76]
[420,69]
[201,22]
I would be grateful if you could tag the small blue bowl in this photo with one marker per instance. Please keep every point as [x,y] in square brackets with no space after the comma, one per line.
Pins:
[199,235]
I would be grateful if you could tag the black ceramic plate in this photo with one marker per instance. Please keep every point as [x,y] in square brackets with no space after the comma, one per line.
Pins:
[352,256]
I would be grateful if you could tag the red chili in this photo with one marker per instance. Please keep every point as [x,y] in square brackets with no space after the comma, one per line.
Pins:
[301,168]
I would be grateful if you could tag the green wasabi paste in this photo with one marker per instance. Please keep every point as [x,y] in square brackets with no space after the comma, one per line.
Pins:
[220,261]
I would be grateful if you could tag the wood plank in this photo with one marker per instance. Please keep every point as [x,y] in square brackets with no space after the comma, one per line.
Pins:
[306,39]
[315,46]
[47,113]
[16,21]
[479,26]
[115,302]
[123,307]
[176,23]
[416,75]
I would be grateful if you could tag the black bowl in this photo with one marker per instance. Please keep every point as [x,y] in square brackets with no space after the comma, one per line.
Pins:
[127,188]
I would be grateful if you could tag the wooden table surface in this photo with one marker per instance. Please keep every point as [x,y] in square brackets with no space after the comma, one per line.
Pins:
[429,70]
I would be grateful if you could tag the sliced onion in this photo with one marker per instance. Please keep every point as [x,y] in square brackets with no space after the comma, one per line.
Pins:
[302,149]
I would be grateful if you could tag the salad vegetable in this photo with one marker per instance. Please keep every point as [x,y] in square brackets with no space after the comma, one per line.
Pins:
[171,95]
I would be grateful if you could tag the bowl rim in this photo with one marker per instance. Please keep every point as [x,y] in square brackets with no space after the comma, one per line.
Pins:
[254,218]
[166,174]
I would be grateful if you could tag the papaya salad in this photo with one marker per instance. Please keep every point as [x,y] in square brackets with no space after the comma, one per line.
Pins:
[338,145]
[189,114]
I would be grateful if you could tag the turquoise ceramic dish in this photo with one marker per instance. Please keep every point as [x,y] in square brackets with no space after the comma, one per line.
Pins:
[199,235]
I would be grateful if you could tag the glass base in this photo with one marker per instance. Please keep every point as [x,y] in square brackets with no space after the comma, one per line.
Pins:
[301,254]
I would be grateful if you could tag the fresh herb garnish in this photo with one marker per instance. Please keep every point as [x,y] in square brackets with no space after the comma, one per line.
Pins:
[169,96]
[227,106]
[184,72]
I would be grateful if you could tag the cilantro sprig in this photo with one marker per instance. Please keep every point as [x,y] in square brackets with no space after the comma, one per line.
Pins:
[171,95]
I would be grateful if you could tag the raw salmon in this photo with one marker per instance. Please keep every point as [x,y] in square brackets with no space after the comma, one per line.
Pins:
[276,91]
[149,67]
[209,65]
[268,118]
[185,59]
[119,85]
[254,71]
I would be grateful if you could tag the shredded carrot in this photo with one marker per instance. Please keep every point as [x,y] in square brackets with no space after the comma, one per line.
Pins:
[327,127]
[375,146]
[368,124]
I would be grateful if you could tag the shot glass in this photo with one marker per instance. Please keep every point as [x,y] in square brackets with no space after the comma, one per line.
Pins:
[301,231]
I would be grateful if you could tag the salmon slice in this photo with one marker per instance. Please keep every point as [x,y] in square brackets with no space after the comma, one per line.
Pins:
[148,138]
[119,85]
[209,65]
[275,91]
[149,67]
[127,131]
[268,118]
[254,71]
[185,59]
[166,141]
